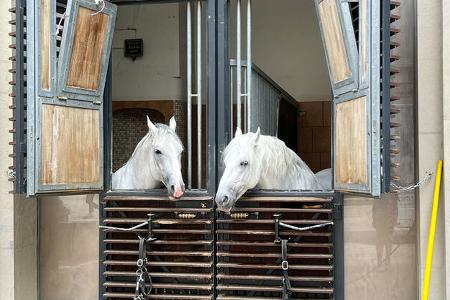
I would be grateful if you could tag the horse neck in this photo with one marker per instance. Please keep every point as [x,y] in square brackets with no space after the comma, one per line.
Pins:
[282,168]
[139,164]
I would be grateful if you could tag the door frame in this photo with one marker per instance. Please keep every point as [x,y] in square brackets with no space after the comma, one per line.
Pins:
[218,136]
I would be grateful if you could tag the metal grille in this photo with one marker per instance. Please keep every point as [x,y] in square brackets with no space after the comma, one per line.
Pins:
[180,261]
[249,261]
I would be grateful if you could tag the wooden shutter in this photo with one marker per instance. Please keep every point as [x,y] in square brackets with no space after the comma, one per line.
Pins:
[351,37]
[65,116]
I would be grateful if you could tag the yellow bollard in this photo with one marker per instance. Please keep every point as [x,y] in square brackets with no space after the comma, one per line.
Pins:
[434,212]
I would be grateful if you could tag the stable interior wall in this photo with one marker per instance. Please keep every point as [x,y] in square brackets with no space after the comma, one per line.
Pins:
[286,45]
[157,74]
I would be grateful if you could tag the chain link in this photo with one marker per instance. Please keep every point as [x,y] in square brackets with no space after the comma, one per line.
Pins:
[421,182]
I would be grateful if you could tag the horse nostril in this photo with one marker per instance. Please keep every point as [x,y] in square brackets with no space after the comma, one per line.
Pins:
[172,188]
[224,199]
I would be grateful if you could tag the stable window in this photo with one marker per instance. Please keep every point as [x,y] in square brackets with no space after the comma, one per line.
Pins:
[70,76]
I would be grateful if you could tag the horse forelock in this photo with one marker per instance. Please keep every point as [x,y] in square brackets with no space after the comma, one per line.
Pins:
[165,132]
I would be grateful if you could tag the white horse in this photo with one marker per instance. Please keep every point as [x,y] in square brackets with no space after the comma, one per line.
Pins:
[325,178]
[254,160]
[156,159]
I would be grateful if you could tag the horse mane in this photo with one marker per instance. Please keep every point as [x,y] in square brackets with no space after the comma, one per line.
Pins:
[277,158]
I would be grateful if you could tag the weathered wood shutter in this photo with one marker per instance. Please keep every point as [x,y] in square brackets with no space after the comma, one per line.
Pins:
[351,34]
[65,110]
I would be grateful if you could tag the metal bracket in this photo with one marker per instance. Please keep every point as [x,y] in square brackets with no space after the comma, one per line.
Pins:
[277,227]
[150,237]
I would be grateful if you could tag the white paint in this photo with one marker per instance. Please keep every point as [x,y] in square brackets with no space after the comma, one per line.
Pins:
[287,46]
[155,75]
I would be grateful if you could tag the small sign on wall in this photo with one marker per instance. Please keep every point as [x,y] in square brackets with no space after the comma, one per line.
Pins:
[134,48]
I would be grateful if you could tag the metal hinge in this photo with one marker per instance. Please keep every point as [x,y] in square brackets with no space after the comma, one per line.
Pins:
[338,207]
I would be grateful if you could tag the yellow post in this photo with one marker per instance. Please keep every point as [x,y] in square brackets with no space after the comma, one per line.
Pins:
[434,212]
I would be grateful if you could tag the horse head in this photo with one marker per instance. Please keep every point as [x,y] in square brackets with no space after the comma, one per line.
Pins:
[165,150]
[242,169]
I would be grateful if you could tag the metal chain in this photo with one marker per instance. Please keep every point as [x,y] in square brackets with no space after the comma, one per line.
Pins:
[97,2]
[58,27]
[421,182]
[305,228]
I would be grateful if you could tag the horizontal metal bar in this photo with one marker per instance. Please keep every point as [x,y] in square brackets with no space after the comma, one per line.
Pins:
[157,296]
[160,253]
[174,231]
[268,232]
[221,287]
[274,255]
[272,244]
[162,285]
[161,274]
[146,197]
[161,242]
[269,221]
[274,277]
[274,266]
[189,264]
[282,210]
[157,209]
[156,221]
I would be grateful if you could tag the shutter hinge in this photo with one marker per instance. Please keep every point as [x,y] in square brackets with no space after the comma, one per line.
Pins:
[337,212]
[337,207]
[62,98]
[97,102]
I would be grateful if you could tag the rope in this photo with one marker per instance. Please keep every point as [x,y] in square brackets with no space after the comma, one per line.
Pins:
[307,227]
[421,182]
[123,229]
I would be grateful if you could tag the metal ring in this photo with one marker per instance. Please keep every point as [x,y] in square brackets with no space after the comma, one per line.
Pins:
[285,265]
[140,262]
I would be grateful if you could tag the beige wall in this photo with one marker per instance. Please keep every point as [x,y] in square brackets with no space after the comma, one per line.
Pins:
[7,200]
[446,112]
[380,251]
[69,253]
[430,136]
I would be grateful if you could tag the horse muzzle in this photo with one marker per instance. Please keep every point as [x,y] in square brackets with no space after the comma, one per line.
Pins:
[176,191]
[224,202]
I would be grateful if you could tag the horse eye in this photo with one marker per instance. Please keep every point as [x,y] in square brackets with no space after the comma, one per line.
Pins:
[158,151]
[244,163]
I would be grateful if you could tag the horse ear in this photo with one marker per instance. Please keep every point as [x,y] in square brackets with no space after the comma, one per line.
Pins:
[150,125]
[238,132]
[256,136]
[173,123]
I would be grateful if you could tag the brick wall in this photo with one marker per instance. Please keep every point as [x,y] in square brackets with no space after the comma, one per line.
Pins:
[130,124]
[314,134]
